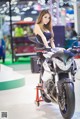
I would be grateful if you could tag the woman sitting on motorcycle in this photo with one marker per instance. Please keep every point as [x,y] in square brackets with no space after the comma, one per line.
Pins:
[44,32]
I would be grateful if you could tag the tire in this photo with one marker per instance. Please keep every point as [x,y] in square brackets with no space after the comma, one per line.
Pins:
[67,110]
[43,94]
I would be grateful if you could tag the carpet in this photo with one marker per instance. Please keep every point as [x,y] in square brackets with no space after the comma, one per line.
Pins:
[21,60]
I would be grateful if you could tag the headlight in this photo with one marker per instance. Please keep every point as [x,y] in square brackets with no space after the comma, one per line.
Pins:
[62,65]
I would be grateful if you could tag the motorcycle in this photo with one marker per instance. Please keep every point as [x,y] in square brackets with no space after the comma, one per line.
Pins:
[57,77]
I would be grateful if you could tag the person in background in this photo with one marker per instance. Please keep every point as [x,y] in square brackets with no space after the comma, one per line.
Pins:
[18,32]
[25,31]
[2,47]
[29,30]
[1,34]
[43,29]
[73,32]
[6,29]
[68,31]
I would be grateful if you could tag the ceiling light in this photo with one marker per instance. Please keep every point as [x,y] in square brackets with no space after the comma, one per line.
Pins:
[28,19]
[2,12]
[30,3]
[33,12]
[25,9]
[4,5]
[42,2]
[14,18]
[5,8]
[7,3]
[12,8]
[15,3]
[7,11]
[16,10]
[22,13]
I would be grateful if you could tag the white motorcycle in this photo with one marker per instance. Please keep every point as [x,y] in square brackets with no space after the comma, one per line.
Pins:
[57,76]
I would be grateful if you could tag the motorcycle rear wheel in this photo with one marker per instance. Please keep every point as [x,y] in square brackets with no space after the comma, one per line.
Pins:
[43,93]
[67,102]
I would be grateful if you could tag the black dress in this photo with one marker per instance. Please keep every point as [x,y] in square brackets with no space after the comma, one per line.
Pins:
[48,37]
[41,44]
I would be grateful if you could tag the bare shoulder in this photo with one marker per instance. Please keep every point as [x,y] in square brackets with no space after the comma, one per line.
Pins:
[36,28]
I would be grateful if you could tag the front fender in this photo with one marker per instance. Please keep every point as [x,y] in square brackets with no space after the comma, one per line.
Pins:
[61,84]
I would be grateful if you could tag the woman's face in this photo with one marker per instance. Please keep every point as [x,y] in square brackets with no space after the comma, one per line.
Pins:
[46,19]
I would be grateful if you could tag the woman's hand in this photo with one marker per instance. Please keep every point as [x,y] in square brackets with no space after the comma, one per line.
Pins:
[52,42]
[48,47]
[52,39]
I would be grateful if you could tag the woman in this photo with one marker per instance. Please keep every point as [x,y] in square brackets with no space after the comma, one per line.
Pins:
[44,32]
[43,29]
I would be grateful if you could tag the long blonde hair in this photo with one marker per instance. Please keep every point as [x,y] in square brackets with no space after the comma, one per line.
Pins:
[39,20]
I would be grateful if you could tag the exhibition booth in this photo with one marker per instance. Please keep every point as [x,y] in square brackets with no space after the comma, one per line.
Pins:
[31,86]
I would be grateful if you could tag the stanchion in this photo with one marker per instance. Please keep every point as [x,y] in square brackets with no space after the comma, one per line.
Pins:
[38,98]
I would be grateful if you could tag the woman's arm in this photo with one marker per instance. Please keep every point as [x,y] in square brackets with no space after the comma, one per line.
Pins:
[52,40]
[38,31]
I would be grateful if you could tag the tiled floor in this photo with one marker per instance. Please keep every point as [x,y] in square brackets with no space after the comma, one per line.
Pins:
[20,102]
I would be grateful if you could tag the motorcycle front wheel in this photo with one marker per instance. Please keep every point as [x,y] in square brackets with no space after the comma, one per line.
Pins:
[67,101]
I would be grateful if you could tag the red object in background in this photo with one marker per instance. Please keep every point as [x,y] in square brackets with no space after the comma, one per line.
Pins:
[23,45]
[25,22]
[25,49]
[77,57]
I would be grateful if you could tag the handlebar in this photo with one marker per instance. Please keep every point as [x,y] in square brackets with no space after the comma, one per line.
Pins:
[50,49]
[71,51]
[74,49]
[43,48]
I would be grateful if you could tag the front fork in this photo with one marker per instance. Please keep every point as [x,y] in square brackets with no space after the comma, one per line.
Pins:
[59,83]
[72,77]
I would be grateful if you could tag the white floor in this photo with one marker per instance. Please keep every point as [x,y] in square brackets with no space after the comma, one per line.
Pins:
[20,102]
